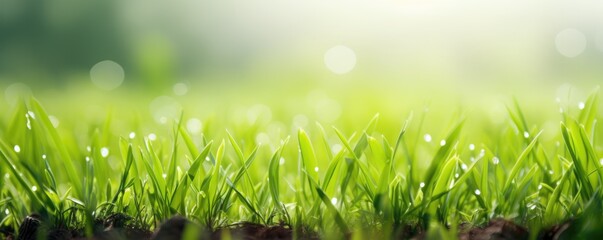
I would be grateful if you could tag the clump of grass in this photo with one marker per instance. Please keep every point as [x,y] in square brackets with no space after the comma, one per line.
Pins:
[358,181]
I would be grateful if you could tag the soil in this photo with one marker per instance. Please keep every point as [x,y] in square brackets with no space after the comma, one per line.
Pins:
[116,227]
[496,229]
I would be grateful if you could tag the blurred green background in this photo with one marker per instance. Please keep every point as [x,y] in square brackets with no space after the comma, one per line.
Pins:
[329,60]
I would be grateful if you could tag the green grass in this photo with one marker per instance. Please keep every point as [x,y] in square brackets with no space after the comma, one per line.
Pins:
[374,179]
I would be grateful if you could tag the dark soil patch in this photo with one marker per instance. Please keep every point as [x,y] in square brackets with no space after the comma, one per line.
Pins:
[496,229]
[116,227]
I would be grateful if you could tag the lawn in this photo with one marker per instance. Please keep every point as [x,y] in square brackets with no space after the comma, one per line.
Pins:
[196,169]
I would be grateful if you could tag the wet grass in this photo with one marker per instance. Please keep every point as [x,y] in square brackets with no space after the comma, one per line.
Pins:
[333,180]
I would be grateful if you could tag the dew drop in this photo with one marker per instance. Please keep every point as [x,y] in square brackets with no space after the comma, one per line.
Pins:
[472,147]
[464,166]
[427,137]
[421,185]
[104,152]
[152,137]
[54,121]
[132,135]
[477,192]
[334,201]
[17,148]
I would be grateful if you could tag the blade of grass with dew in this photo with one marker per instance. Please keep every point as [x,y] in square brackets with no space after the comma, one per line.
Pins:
[196,167]
[273,176]
[307,154]
[519,163]
[67,162]
[554,198]
[441,155]
[580,171]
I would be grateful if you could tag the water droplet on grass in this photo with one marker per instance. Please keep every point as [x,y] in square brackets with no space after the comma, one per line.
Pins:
[334,201]
[427,137]
[17,148]
[495,160]
[421,185]
[443,143]
[526,134]
[54,121]
[28,121]
[478,192]
[152,137]
[104,152]
[132,135]
[34,188]
[316,169]
[472,147]
[464,166]
[581,105]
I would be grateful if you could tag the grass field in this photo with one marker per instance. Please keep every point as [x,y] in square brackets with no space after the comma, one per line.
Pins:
[363,168]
